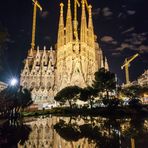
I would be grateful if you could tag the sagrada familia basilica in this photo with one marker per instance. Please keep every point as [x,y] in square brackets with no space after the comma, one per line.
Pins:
[72,61]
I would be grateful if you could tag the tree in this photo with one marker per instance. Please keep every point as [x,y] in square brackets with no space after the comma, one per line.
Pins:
[104,82]
[114,102]
[11,136]
[14,99]
[69,94]
[68,131]
[24,98]
[132,92]
[144,90]
[8,99]
[88,94]
[135,103]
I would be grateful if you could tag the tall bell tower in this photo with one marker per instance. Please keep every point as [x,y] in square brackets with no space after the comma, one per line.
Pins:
[79,56]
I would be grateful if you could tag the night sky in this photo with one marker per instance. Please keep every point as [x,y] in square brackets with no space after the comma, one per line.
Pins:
[121,27]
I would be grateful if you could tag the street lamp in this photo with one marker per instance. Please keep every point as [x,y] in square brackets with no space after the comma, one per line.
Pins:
[13,82]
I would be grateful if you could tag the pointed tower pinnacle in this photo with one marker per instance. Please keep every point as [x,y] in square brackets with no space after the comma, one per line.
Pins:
[38,48]
[69,33]
[38,52]
[44,51]
[51,48]
[30,53]
[83,33]
[44,48]
[44,57]
[26,65]
[60,41]
[91,36]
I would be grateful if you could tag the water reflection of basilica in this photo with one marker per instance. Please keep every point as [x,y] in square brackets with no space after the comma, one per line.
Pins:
[84,132]
[43,135]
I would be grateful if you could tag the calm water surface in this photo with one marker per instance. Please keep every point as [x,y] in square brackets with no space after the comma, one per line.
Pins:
[75,132]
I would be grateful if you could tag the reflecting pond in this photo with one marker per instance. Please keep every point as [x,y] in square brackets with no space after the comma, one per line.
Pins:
[75,132]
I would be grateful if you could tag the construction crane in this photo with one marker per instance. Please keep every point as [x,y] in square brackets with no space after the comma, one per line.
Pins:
[36,5]
[126,65]
[75,22]
[86,3]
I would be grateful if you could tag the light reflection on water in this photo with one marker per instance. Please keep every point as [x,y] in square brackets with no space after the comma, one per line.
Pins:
[75,132]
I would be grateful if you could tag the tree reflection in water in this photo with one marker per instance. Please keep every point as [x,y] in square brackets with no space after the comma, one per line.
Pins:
[11,135]
[106,133]
[94,133]
[70,132]
[138,130]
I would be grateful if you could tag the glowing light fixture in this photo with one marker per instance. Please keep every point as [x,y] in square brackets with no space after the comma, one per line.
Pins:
[13,82]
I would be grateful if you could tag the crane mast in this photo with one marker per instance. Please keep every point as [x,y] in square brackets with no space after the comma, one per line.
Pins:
[75,22]
[36,5]
[86,3]
[126,65]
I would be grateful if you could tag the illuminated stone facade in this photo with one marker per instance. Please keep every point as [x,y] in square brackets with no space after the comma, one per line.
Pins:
[143,79]
[73,61]
[3,86]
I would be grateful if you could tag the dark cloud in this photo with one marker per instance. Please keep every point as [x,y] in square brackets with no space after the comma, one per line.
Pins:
[114,42]
[44,14]
[107,39]
[134,41]
[136,38]
[96,12]
[107,12]
[116,54]
[131,12]
[47,38]
[9,40]
[128,30]
[124,46]
[143,48]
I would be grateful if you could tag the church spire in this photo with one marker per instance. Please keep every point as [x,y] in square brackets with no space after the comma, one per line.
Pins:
[91,37]
[60,41]
[83,33]
[30,53]
[69,33]
[26,65]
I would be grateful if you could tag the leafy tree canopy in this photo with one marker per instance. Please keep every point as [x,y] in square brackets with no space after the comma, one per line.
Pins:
[68,94]
[87,93]
[104,80]
[14,98]
[134,91]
